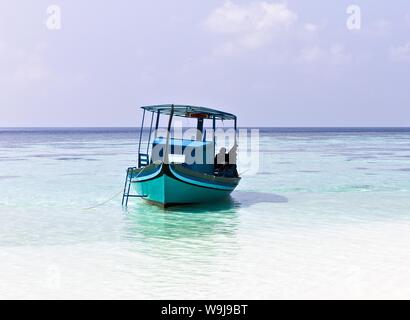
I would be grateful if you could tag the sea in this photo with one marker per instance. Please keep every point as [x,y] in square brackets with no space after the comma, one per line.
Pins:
[325,216]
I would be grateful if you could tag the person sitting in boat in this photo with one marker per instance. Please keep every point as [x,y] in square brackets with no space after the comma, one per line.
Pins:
[221,158]
[225,163]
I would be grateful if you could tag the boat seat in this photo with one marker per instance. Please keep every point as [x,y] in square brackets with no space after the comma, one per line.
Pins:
[227,171]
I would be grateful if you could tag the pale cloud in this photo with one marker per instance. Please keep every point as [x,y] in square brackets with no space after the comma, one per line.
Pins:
[407,19]
[257,24]
[400,53]
[30,73]
[311,27]
[22,66]
[249,26]
[381,27]
[310,54]
[335,54]
[339,54]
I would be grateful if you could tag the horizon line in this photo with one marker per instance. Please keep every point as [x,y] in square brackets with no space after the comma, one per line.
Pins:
[248,127]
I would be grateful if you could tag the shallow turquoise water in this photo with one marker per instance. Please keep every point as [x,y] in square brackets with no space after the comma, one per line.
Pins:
[327,216]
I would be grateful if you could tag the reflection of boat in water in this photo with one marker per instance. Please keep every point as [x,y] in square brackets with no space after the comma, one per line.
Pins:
[183,171]
[198,221]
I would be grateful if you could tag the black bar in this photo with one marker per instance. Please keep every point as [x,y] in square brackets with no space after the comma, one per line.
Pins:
[211,309]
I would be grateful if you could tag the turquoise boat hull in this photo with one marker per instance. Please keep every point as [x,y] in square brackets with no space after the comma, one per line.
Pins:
[172,184]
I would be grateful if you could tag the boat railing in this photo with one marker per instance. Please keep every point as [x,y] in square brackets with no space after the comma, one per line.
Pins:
[143,160]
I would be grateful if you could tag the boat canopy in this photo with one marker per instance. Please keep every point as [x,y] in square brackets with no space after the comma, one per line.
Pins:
[186,111]
[190,112]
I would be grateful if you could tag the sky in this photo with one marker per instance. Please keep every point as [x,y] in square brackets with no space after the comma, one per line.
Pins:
[294,63]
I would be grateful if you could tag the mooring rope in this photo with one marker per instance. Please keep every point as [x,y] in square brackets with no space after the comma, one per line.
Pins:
[112,198]
[244,172]
[103,203]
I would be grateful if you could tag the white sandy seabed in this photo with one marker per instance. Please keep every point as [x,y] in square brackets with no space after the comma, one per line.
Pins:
[327,217]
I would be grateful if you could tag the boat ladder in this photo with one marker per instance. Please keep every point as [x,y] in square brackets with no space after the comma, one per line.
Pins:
[127,188]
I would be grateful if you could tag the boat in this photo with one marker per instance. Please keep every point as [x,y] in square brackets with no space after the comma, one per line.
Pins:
[164,174]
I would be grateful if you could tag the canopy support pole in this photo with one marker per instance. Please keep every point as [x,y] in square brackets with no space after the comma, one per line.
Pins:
[139,144]
[150,132]
[236,132]
[200,129]
[166,153]
[213,132]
